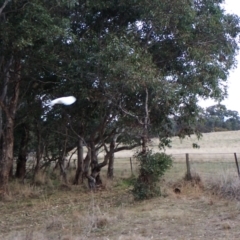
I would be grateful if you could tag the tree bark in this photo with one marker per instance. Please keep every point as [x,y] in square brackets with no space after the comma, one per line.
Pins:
[22,156]
[145,126]
[38,151]
[63,159]
[8,103]
[95,171]
[91,180]
[6,160]
[79,170]
[62,166]
[111,159]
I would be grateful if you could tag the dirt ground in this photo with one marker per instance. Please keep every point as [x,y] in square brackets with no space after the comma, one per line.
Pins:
[112,214]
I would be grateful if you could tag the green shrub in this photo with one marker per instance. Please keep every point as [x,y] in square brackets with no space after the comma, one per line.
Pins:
[151,167]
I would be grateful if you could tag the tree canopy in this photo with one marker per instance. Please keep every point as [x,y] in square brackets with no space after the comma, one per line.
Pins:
[137,69]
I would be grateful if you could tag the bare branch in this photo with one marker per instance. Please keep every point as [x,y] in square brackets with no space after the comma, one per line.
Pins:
[77,134]
[5,109]
[127,147]
[6,79]
[146,121]
[130,114]
[3,6]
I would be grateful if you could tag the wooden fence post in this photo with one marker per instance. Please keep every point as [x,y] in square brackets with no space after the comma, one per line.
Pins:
[188,174]
[131,165]
[236,160]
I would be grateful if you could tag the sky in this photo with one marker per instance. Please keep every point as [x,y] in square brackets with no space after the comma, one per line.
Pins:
[232,102]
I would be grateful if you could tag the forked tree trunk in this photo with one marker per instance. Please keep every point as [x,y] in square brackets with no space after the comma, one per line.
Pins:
[95,170]
[86,165]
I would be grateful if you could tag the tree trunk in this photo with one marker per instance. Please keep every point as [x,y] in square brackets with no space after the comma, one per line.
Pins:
[62,166]
[79,170]
[8,103]
[22,156]
[86,163]
[94,163]
[111,159]
[144,143]
[63,159]
[6,160]
[145,127]
[38,153]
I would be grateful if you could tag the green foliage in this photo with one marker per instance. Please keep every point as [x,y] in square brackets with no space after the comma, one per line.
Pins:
[107,54]
[219,118]
[152,167]
[195,145]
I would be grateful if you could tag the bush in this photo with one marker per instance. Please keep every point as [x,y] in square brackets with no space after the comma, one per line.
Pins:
[151,167]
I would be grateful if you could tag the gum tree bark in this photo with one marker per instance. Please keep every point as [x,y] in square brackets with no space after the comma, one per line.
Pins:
[22,156]
[8,103]
[79,170]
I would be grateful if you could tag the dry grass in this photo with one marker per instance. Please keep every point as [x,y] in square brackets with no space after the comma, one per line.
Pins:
[210,143]
[19,190]
[225,185]
[53,211]
[112,214]
[215,142]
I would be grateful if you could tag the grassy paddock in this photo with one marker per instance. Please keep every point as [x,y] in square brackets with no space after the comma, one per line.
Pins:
[51,210]
[207,165]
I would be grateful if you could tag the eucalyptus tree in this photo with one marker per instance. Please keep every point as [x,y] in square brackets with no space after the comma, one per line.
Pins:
[151,61]
[134,67]
[28,33]
[218,118]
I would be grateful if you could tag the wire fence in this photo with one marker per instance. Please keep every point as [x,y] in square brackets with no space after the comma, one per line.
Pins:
[206,165]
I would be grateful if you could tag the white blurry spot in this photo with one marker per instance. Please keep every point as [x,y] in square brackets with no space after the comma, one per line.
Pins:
[63,100]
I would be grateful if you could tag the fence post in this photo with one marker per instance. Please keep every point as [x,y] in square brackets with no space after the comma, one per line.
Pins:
[188,174]
[236,160]
[131,165]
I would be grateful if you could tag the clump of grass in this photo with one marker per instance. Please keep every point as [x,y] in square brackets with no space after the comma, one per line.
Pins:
[17,189]
[101,222]
[97,219]
[48,180]
[55,224]
[195,179]
[193,187]
[40,178]
[225,185]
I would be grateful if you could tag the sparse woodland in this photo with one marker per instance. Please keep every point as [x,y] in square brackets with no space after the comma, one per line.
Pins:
[136,67]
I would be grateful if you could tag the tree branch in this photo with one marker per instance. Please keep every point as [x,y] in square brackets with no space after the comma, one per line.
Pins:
[3,6]
[127,147]
[5,109]
[130,114]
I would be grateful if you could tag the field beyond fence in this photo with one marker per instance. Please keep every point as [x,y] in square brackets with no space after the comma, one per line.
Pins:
[206,165]
[217,154]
